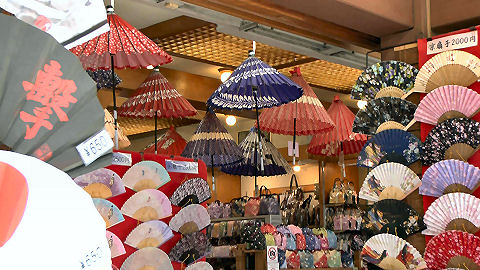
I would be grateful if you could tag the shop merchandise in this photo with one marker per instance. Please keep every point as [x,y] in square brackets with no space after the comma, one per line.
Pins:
[123,140]
[170,143]
[151,233]
[389,181]
[199,266]
[320,259]
[147,257]
[193,190]
[146,175]
[337,194]
[293,259]
[252,236]
[306,259]
[102,183]
[449,176]
[334,259]
[252,207]
[115,245]
[189,219]
[237,206]
[103,78]
[269,203]
[292,200]
[190,248]
[453,211]
[343,218]
[109,212]
[146,205]
[386,78]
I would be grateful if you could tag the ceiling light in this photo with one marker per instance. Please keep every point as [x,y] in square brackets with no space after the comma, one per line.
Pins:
[296,168]
[362,104]
[231,120]
[224,74]
[150,67]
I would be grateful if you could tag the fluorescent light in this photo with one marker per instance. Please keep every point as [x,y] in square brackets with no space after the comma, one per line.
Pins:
[231,120]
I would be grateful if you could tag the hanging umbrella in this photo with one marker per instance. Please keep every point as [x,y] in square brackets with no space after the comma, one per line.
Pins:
[341,138]
[154,98]
[103,78]
[274,163]
[121,47]
[123,140]
[170,143]
[213,144]
[254,85]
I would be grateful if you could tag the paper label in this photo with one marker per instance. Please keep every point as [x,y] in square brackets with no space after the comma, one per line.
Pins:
[273,266]
[122,159]
[272,254]
[181,166]
[453,42]
[290,149]
[95,147]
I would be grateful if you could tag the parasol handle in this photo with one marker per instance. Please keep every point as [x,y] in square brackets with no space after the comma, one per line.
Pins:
[255,96]
[214,184]
[156,133]
[112,61]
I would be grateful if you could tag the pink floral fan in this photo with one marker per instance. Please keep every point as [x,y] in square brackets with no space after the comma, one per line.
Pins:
[115,244]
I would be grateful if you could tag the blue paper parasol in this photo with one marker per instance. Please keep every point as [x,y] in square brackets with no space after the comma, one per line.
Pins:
[103,78]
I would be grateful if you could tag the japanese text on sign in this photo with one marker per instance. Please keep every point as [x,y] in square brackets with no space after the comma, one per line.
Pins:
[94,147]
[181,166]
[453,42]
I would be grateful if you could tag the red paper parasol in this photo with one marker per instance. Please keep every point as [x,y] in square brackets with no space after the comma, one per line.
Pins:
[311,116]
[330,143]
[170,143]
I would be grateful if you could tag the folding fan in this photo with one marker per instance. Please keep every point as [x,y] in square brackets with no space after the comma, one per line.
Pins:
[190,248]
[447,102]
[391,252]
[115,244]
[102,183]
[199,266]
[452,139]
[389,181]
[392,216]
[146,175]
[449,176]
[149,234]
[109,212]
[453,249]
[390,146]
[195,190]
[192,218]
[384,113]
[384,79]
[148,204]
[48,103]
[453,211]
[447,68]
[148,258]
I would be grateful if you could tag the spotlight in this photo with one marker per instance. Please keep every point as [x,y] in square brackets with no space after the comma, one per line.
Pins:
[231,120]
[296,168]
[224,74]
[362,104]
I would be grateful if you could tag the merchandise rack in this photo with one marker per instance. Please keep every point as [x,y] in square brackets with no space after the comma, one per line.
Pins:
[272,219]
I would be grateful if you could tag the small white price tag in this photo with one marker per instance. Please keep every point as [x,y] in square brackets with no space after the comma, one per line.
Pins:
[181,166]
[122,159]
[95,146]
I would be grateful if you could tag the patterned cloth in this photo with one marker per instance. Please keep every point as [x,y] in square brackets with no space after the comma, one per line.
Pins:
[103,78]
[195,190]
[190,248]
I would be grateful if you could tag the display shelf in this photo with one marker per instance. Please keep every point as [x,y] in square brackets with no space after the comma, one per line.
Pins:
[340,205]
[272,219]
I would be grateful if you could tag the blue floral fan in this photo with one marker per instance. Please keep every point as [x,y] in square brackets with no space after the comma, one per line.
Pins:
[393,145]
[386,78]
[382,114]
[273,88]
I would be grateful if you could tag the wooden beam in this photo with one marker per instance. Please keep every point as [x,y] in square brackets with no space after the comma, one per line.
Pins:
[266,12]
[295,63]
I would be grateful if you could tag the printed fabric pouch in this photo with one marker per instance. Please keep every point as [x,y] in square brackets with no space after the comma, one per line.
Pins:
[252,207]
[237,206]
[268,228]
[293,259]
[334,259]
[309,238]
[300,241]
[269,204]
[230,225]
[291,241]
[306,259]
[281,259]
[280,240]
[318,244]
[332,239]
[347,259]
[323,237]
[215,210]
[320,259]
[269,239]
[227,211]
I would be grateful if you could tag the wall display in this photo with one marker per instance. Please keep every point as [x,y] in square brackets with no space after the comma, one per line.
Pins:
[447,102]
[147,258]
[189,219]
[148,204]
[453,211]
[390,146]
[152,233]
[452,139]
[109,212]
[199,266]
[389,181]
[115,244]
[384,79]
[453,249]
[449,176]
[194,190]
[146,175]
[102,183]
[383,113]
[391,252]
[394,217]
[191,248]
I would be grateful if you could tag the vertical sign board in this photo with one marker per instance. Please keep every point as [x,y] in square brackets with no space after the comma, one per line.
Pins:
[272,258]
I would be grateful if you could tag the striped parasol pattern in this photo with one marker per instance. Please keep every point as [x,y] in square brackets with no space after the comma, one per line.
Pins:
[212,143]
[170,143]
[273,161]
[331,143]
[311,116]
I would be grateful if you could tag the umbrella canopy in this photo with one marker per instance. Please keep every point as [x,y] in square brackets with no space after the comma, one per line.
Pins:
[157,97]
[212,143]
[170,143]
[123,140]
[103,78]
[273,88]
[128,46]
[311,116]
[273,161]
[330,143]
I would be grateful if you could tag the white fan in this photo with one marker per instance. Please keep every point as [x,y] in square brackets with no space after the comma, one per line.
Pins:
[392,252]
[453,211]
[190,219]
[148,204]
[199,266]
[149,234]
[148,258]
[389,181]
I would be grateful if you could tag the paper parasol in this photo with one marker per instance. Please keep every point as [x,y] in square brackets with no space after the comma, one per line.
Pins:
[123,140]
[311,117]
[330,143]
[273,161]
[103,78]
[170,143]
